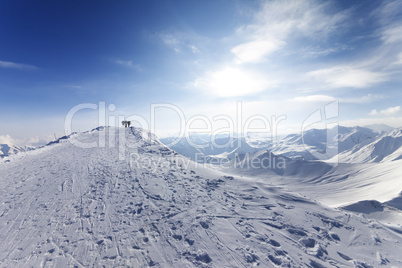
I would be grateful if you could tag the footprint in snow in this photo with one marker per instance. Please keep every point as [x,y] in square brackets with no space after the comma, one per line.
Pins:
[204,224]
[274,243]
[177,237]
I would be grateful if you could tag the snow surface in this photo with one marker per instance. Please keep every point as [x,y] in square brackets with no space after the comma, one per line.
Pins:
[131,201]
[377,210]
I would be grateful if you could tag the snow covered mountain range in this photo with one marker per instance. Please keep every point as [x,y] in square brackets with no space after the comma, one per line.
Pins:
[386,147]
[365,170]
[119,197]
[201,147]
[347,140]
[6,150]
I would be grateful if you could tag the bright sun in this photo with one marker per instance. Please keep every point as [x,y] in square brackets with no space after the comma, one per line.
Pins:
[232,82]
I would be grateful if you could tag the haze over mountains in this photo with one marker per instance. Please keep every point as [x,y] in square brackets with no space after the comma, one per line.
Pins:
[122,198]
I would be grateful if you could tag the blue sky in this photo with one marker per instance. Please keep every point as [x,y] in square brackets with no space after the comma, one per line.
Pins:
[275,57]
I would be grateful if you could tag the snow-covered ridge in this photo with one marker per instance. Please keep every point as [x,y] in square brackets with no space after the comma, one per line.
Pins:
[344,138]
[66,205]
[138,133]
[6,150]
[386,147]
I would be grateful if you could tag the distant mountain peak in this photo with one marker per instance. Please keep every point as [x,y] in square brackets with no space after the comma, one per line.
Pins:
[6,149]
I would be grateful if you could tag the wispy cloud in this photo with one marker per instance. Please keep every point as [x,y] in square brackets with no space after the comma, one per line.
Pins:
[389,15]
[180,42]
[346,76]
[389,34]
[255,51]
[14,65]
[194,49]
[317,51]
[365,99]
[379,64]
[392,34]
[278,22]
[169,39]
[129,64]
[398,59]
[315,98]
[387,112]
[326,98]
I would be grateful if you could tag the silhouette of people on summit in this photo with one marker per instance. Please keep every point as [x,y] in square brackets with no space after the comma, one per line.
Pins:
[126,123]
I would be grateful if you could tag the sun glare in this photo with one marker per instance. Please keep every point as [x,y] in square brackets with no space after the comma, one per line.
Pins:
[233,82]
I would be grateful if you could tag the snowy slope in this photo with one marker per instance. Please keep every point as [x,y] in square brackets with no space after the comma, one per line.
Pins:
[333,185]
[388,212]
[131,201]
[265,162]
[372,189]
[377,210]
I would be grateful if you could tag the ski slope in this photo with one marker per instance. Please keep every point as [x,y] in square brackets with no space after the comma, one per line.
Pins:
[131,201]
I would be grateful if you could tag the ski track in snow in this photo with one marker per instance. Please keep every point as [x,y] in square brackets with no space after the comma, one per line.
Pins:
[64,206]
